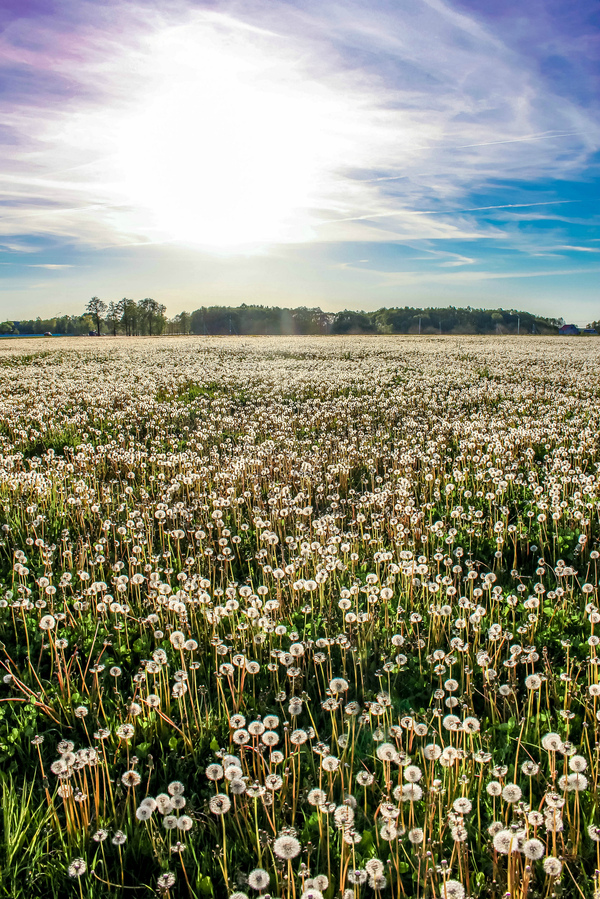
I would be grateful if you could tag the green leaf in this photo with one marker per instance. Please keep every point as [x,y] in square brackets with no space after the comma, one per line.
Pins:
[213,744]
[205,885]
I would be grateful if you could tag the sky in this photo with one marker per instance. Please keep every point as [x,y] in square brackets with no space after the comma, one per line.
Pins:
[306,153]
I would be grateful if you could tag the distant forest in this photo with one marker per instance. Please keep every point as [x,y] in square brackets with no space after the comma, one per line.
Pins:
[148,317]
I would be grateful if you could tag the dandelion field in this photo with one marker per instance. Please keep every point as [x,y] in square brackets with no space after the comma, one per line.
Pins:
[299,617]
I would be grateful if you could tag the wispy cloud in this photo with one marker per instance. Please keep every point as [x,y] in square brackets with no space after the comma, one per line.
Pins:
[189,124]
[399,278]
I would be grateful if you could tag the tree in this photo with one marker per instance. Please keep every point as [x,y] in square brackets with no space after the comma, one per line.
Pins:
[113,317]
[154,315]
[184,322]
[97,308]
[348,322]
[129,315]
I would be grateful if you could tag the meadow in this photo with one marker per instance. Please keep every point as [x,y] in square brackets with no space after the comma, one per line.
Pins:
[300,618]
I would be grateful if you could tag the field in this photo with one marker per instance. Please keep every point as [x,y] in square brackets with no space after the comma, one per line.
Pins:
[299,617]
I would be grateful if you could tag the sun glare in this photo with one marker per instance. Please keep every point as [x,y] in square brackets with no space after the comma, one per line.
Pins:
[228,141]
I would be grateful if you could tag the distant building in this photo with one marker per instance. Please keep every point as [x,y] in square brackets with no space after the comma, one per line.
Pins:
[589,332]
[569,330]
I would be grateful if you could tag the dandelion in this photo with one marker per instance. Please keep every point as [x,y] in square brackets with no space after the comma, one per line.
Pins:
[219,804]
[452,889]
[164,803]
[471,725]
[432,752]
[552,742]
[298,737]
[573,782]
[505,841]
[577,763]
[317,796]
[494,788]
[387,752]
[258,879]
[364,778]
[143,813]
[125,732]
[165,881]
[77,868]
[451,722]
[462,805]
[256,728]
[374,867]
[131,779]
[286,847]
[552,866]
[512,793]
[533,849]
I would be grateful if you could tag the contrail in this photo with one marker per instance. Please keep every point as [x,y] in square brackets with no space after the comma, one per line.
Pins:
[375,215]
[514,140]
[517,140]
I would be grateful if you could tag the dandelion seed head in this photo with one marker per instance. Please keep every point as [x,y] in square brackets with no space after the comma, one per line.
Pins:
[258,879]
[452,889]
[77,868]
[286,847]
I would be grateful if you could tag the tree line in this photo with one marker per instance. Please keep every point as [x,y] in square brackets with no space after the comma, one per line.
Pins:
[148,317]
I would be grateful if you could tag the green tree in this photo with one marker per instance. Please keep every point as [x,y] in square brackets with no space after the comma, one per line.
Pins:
[129,315]
[153,314]
[113,317]
[97,308]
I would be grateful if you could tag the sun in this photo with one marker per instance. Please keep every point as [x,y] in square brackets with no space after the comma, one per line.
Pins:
[228,143]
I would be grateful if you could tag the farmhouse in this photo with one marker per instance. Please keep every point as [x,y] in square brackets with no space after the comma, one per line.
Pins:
[568,330]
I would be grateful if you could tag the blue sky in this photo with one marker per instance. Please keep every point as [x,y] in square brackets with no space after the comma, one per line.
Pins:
[414,152]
